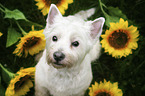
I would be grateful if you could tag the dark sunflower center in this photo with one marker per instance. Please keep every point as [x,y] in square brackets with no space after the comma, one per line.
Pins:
[118,39]
[30,42]
[48,2]
[19,83]
[103,94]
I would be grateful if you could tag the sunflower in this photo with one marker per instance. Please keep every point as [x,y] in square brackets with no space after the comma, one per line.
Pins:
[105,89]
[31,43]
[1,34]
[120,39]
[21,83]
[44,5]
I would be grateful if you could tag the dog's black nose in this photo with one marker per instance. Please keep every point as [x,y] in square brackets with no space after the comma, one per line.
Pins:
[58,56]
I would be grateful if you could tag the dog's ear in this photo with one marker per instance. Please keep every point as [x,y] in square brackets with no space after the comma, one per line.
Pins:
[52,13]
[97,26]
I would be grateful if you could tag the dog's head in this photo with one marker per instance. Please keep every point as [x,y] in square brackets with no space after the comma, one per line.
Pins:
[69,39]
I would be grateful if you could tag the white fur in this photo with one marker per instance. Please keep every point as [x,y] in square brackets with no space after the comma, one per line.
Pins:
[75,76]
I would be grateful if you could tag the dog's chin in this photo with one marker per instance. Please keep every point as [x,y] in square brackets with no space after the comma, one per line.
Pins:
[58,65]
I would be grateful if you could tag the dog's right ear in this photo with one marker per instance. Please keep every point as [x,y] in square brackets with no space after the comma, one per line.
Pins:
[51,15]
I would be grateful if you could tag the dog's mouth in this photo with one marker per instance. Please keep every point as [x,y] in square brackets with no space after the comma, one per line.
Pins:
[58,65]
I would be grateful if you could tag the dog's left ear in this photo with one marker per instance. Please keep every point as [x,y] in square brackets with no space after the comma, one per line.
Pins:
[97,26]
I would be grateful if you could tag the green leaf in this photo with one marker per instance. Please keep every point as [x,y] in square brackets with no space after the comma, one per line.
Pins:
[6,75]
[2,89]
[12,37]
[110,19]
[16,14]
[116,12]
[114,15]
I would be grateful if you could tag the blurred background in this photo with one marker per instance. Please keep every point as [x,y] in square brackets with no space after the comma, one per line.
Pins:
[128,71]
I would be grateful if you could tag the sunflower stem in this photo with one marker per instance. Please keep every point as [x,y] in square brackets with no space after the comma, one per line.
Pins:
[2,10]
[32,27]
[104,5]
[7,75]
[101,6]
[2,6]
[23,32]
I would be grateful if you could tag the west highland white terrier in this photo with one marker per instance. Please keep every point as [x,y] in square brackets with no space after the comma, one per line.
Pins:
[71,44]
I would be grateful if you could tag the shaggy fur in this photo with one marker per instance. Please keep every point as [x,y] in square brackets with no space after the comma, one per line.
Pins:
[72,75]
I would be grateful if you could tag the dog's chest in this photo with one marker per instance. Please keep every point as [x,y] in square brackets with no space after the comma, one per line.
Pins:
[63,79]
[66,81]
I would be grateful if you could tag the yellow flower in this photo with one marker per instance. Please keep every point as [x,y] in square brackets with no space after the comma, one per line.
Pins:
[31,43]
[1,34]
[21,83]
[44,5]
[120,39]
[105,89]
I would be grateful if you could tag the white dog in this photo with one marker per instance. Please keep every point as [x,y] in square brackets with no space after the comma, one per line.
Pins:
[71,44]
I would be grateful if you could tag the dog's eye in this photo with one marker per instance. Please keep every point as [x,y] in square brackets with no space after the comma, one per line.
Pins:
[54,38]
[75,44]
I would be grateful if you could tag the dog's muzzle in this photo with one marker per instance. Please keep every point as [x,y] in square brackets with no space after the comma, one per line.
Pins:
[58,57]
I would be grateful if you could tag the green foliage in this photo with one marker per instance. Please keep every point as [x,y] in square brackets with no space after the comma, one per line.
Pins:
[114,15]
[2,91]
[12,37]
[116,12]
[128,72]
[111,19]
[7,75]
[15,14]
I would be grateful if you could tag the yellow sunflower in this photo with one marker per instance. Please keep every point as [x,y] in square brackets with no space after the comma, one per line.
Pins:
[120,39]
[31,43]
[44,5]
[1,34]
[105,89]
[21,83]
